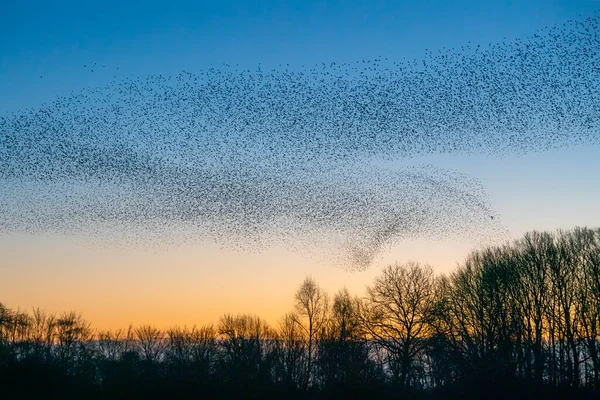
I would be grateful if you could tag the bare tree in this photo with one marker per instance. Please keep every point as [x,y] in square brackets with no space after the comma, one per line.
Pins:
[111,344]
[190,353]
[39,336]
[526,314]
[562,310]
[533,253]
[73,336]
[150,342]
[396,313]
[204,349]
[291,351]
[247,348]
[311,305]
[587,245]
[343,351]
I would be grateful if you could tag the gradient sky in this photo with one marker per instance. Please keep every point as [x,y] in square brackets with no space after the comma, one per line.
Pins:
[44,45]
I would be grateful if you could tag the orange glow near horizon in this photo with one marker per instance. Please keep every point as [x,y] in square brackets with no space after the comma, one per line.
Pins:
[185,286]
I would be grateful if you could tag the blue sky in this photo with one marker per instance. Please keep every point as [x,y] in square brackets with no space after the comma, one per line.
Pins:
[54,39]
[44,46]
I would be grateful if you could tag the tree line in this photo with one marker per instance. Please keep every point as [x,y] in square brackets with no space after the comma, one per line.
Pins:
[520,319]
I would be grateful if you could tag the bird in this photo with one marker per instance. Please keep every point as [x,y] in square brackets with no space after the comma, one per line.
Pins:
[249,158]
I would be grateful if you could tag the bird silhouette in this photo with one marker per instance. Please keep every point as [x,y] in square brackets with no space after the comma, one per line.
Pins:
[292,155]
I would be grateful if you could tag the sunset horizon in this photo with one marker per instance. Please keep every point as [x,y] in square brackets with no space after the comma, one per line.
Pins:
[344,198]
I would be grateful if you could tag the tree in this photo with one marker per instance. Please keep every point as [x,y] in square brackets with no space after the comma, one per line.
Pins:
[190,353]
[343,352]
[482,316]
[73,336]
[396,314]
[311,305]
[291,355]
[247,349]
[150,342]
[533,253]
[586,243]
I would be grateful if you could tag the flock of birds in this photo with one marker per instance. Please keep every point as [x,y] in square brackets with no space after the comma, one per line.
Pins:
[253,158]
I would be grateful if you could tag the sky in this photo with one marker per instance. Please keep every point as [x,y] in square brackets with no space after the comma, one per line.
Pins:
[44,46]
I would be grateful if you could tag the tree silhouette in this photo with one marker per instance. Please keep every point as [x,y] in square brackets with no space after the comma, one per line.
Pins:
[311,304]
[517,320]
[396,314]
